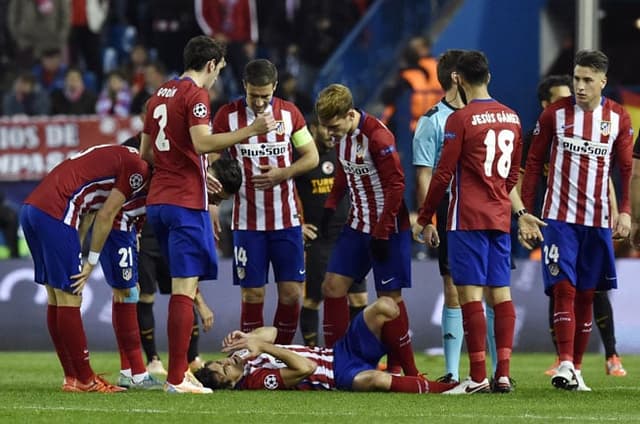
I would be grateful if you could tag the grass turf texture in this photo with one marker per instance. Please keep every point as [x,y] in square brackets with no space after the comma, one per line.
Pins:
[30,393]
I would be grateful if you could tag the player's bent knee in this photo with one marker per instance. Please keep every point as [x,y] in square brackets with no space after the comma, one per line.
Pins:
[133,297]
[386,306]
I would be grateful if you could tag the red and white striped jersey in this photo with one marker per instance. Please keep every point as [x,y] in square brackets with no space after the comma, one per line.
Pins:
[274,208]
[132,213]
[263,371]
[370,167]
[581,146]
[82,183]
[480,159]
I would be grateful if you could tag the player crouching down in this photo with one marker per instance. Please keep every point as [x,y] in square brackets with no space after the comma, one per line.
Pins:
[258,364]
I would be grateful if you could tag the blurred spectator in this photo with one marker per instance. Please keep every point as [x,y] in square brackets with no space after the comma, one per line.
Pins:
[235,23]
[154,76]
[419,77]
[85,43]
[50,71]
[9,226]
[217,97]
[172,25]
[288,90]
[26,98]
[37,26]
[74,98]
[135,68]
[115,97]
[276,23]
[320,27]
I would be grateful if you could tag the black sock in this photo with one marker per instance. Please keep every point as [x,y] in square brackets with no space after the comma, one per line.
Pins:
[195,337]
[355,310]
[603,316]
[147,324]
[309,319]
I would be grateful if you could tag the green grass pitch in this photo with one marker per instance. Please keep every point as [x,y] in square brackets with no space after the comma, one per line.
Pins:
[30,393]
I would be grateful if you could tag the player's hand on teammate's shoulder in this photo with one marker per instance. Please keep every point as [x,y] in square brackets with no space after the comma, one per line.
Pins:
[263,123]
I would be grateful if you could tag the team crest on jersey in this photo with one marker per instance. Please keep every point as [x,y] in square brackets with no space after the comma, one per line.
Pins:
[271,382]
[127,274]
[200,110]
[554,269]
[328,168]
[359,149]
[280,128]
[605,128]
[241,272]
[135,181]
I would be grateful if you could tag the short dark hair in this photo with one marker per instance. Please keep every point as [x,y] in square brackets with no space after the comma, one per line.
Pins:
[201,49]
[594,59]
[210,379]
[260,72]
[228,172]
[473,66]
[446,65]
[548,82]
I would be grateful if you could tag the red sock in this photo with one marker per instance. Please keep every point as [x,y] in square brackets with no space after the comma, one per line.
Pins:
[408,384]
[504,324]
[179,323]
[124,361]
[61,351]
[475,334]
[395,335]
[564,319]
[251,316]
[74,339]
[584,323]
[336,319]
[125,315]
[286,321]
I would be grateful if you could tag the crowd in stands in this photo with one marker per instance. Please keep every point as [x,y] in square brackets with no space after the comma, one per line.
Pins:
[105,57]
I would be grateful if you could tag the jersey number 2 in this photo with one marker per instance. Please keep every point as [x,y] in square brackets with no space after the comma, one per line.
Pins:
[505,144]
[160,113]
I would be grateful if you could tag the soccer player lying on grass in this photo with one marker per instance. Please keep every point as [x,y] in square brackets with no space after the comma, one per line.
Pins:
[350,365]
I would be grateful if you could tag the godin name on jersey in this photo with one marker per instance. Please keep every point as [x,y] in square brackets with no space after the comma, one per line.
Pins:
[584,147]
[264,149]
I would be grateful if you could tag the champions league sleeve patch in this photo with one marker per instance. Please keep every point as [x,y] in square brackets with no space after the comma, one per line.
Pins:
[271,382]
[200,110]
[387,150]
[135,181]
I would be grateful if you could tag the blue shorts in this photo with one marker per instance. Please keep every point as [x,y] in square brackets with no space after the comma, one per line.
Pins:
[480,258]
[253,251]
[358,350]
[119,259]
[351,257]
[186,240]
[54,246]
[583,255]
